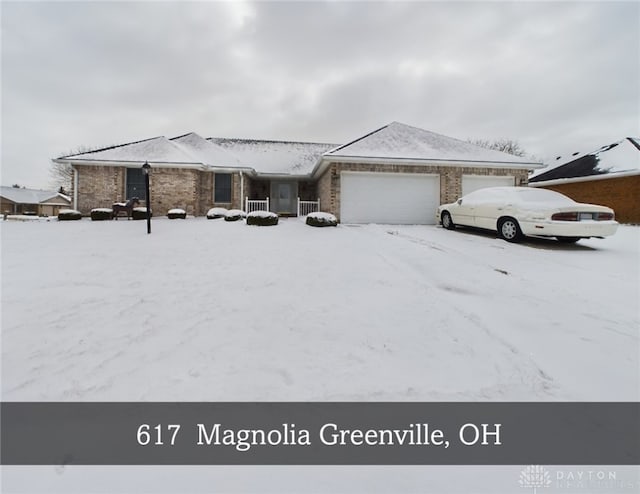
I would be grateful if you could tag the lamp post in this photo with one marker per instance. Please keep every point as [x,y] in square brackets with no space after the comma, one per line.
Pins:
[146,170]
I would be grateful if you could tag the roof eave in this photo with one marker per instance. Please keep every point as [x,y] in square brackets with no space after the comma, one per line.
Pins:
[588,178]
[132,163]
[425,161]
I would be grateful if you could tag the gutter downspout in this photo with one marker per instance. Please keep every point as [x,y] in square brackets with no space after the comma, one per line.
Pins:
[75,187]
[241,190]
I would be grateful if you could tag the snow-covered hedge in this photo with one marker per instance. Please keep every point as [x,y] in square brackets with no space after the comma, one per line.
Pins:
[101,214]
[262,218]
[140,213]
[177,213]
[69,215]
[215,213]
[234,215]
[321,219]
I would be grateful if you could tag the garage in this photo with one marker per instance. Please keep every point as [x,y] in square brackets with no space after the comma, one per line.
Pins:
[393,198]
[471,183]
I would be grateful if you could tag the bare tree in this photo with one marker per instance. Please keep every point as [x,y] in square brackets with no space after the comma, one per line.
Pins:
[509,146]
[62,174]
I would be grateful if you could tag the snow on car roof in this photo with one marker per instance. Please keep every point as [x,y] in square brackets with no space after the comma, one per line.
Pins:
[520,194]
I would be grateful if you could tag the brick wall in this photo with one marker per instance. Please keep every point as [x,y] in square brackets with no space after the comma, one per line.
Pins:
[621,194]
[189,189]
[174,188]
[99,187]
[450,179]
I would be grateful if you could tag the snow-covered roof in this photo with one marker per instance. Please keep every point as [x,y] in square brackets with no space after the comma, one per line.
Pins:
[206,151]
[275,157]
[154,150]
[617,158]
[31,196]
[400,142]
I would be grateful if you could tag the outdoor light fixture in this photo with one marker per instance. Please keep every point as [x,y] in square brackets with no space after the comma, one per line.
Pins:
[146,170]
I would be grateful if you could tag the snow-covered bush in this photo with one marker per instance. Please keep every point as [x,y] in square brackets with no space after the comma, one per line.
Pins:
[69,215]
[101,214]
[177,213]
[234,215]
[262,218]
[215,213]
[321,219]
[140,213]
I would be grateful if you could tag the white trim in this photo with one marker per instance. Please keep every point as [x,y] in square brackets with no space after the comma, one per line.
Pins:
[590,178]
[326,161]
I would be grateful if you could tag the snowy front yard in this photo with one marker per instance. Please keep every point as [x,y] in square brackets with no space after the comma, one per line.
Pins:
[217,311]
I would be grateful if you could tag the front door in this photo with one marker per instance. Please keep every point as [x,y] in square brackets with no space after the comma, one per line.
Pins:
[283,197]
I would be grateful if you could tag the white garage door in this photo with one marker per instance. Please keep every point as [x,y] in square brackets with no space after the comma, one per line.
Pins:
[393,198]
[475,182]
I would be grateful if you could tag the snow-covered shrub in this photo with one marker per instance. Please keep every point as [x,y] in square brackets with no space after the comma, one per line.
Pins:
[140,213]
[69,215]
[321,219]
[177,213]
[215,213]
[262,218]
[234,215]
[101,214]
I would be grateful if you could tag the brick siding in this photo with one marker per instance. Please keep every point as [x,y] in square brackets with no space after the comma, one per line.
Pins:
[621,194]
[191,190]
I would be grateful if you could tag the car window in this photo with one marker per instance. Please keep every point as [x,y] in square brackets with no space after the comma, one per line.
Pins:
[541,196]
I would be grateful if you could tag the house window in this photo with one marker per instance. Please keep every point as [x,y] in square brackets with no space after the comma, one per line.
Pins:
[222,192]
[135,184]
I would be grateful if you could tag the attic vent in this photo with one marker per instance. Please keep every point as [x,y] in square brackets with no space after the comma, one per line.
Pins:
[576,153]
[558,157]
[610,146]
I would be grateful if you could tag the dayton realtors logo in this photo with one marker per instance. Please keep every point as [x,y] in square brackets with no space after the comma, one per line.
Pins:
[534,476]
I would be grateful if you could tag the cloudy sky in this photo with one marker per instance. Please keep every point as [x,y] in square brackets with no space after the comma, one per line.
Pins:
[557,77]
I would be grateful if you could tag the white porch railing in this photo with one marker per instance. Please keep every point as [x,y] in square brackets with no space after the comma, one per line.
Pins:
[306,207]
[256,205]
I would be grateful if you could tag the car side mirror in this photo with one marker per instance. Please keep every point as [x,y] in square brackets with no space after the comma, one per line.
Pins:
[459,201]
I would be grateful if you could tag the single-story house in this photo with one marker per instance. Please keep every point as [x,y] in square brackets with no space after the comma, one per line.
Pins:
[609,176]
[14,200]
[395,174]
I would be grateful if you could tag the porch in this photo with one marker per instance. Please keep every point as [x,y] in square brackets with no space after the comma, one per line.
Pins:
[281,196]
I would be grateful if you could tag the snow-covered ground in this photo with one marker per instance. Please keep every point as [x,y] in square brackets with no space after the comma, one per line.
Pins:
[208,310]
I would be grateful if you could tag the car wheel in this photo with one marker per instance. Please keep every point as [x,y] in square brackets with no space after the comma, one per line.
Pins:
[447,222]
[509,230]
[568,240]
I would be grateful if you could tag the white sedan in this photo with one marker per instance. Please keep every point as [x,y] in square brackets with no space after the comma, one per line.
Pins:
[517,211]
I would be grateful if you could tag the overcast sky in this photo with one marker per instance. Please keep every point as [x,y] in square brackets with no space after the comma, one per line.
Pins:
[557,77]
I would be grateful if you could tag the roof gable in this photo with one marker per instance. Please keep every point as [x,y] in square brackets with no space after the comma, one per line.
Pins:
[156,150]
[205,151]
[398,141]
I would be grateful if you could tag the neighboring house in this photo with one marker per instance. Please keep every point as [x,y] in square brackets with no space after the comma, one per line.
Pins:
[609,176]
[396,174]
[15,200]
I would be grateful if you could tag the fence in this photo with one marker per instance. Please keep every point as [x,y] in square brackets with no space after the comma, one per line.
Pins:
[256,205]
[306,207]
